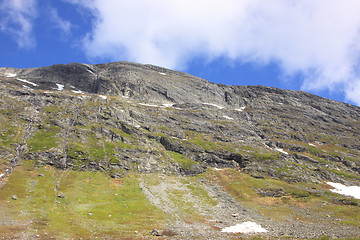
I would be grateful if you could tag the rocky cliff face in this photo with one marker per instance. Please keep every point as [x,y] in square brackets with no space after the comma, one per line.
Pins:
[120,116]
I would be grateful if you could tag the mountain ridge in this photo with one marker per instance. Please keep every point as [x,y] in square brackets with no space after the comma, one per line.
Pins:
[123,119]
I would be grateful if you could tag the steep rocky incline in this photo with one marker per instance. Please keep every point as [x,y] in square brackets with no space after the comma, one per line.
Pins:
[138,151]
[120,116]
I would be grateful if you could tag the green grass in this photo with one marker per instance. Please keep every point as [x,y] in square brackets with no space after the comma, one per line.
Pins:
[297,196]
[9,135]
[92,205]
[182,160]
[43,139]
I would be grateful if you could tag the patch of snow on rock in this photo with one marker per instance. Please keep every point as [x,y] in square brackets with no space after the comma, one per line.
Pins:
[79,91]
[137,126]
[218,169]
[90,71]
[240,109]
[25,81]
[148,105]
[312,144]
[103,97]
[168,104]
[60,86]
[281,150]
[228,118]
[27,87]
[10,75]
[1,175]
[162,73]
[353,191]
[246,227]
[212,104]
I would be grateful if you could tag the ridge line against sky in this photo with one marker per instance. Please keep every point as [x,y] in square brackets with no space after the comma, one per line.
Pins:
[311,45]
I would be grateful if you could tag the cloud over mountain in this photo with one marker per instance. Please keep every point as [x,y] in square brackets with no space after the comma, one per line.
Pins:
[17,18]
[317,40]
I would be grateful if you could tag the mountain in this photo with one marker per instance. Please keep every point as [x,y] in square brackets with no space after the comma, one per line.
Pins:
[130,150]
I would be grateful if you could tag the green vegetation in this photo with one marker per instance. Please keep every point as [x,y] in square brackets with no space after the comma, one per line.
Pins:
[9,135]
[182,160]
[85,204]
[44,139]
[300,195]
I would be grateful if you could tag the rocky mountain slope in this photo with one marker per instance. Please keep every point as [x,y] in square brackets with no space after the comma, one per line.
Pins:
[141,122]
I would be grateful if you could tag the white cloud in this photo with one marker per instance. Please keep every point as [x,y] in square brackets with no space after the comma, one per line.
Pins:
[63,25]
[17,20]
[317,39]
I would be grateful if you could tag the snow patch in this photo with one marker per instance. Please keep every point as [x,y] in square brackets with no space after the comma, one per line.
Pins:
[353,191]
[137,126]
[246,227]
[77,91]
[90,71]
[25,81]
[59,86]
[10,75]
[148,105]
[228,118]
[27,87]
[312,144]
[103,97]
[240,109]
[281,150]
[217,169]
[168,104]
[161,73]
[214,105]
[1,175]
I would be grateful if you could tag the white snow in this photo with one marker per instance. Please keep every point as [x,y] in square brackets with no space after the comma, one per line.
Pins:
[246,227]
[103,97]
[77,91]
[148,105]
[90,71]
[281,150]
[137,126]
[162,73]
[312,144]
[10,75]
[168,104]
[60,86]
[353,191]
[2,175]
[228,118]
[27,87]
[212,104]
[25,81]
[218,169]
[240,109]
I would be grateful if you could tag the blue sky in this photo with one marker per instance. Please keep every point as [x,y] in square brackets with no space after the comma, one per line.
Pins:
[292,44]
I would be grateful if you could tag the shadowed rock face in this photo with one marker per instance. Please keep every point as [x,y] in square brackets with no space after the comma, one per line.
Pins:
[119,116]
